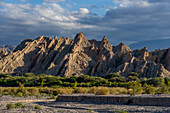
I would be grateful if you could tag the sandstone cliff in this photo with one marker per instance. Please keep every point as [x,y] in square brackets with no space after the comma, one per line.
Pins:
[79,56]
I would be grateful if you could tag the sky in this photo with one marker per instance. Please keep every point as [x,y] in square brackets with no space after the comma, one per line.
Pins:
[128,21]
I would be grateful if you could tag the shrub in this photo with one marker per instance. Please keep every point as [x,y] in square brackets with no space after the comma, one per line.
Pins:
[38,96]
[102,91]
[148,89]
[118,90]
[90,110]
[133,74]
[162,90]
[64,91]
[130,91]
[167,81]
[51,96]
[20,94]
[1,105]
[33,90]
[155,81]
[111,75]
[37,107]
[18,105]
[132,78]
[93,90]
[136,86]
[23,106]
[81,90]
[10,106]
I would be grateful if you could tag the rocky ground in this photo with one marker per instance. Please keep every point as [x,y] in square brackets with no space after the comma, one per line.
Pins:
[50,106]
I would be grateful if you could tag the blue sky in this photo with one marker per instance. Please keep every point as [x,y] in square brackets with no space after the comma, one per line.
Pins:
[128,21]
[98,7]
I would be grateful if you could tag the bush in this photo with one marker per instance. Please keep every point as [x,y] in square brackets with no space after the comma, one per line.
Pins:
[33,90]
[167,81]
[162,90]
[134,74]
[118,90]
[132,78]
[155,81]
[136,86]
[51,96]
[10,106]
[18,105]
[111,75]
[81,90]
[19,94]
[93,90]
[148,89]
[37,107]
[64,91]
[102,91]
[23,106]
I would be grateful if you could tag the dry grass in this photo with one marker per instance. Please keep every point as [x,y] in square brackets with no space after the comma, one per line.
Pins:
[102,91]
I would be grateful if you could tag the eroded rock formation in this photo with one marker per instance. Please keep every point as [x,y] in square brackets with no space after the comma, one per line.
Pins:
[79,56]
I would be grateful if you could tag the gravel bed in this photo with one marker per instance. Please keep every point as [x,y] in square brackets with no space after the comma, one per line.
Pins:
[51,106]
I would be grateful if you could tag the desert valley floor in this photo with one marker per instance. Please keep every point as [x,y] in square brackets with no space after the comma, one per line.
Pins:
[51,106]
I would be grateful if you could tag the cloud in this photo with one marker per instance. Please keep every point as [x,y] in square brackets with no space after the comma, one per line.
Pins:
[129,22]
[127,3]
[54,0]
[84,11]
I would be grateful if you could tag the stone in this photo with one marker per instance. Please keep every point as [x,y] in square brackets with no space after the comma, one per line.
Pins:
[80,56]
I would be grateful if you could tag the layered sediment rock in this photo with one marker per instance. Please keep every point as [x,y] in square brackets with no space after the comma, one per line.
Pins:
[79,56]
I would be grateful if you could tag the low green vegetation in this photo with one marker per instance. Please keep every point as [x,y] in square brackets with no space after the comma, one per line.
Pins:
[10,106]
[37,107]
[30,84]
[16,105]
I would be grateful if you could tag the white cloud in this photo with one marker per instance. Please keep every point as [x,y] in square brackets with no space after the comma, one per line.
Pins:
[131,22]
[54,0]
[127,3]
[84,11]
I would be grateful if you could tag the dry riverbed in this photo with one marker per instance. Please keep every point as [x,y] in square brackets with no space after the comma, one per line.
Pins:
[51,106]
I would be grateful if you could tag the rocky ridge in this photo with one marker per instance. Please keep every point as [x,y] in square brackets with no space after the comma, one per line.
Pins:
[79,56]
[5,49]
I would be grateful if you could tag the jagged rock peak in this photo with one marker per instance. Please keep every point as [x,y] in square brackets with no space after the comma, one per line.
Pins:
[55,38]
[80,38]
[79,35]
[122,48]
[145,48]
[80,56]
[121,43]
[104,38]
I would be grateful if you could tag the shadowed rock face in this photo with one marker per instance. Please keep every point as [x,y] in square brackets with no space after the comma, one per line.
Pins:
[80,56]
[5,49]
[3,52]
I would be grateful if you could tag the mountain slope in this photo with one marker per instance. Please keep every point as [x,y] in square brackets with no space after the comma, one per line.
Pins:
[79,56]
[5,49]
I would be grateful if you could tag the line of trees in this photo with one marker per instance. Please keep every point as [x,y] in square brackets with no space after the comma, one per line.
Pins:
[110,80]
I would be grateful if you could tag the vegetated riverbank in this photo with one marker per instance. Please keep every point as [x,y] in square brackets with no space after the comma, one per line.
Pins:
[30,84]
[44,105]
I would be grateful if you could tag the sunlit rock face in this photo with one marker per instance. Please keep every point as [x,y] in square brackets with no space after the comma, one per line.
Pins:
[80,56]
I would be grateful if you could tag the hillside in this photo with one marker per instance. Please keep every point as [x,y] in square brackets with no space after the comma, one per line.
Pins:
[5,49]
[80,56]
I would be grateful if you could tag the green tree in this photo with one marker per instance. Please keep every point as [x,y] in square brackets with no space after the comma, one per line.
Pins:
[133,74]
[111,75]
[136,86]
[156,81]
[148,89]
